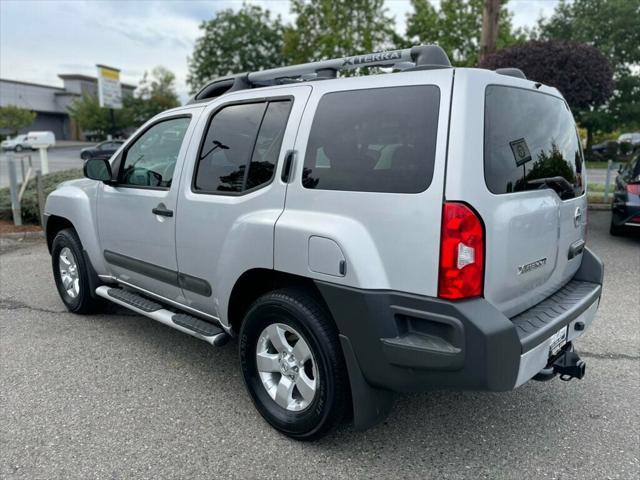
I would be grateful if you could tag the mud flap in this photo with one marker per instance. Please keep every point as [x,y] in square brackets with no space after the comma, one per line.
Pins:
[370,405]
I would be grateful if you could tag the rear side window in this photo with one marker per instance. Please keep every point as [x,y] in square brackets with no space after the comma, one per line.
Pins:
[374,140]
[241,147]
[530,142]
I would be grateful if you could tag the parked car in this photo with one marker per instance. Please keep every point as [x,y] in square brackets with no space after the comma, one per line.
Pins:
[608,148]
[17,143]
[102,150]
[625,209]
[632,138]
[359,236]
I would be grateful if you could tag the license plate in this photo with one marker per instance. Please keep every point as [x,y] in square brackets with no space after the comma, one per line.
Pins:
[557,341]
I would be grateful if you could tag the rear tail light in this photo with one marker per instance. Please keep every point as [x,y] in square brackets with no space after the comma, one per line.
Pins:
[633,188]
[461,271]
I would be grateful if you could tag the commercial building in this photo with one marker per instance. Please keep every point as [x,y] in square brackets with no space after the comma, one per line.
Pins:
[50,103]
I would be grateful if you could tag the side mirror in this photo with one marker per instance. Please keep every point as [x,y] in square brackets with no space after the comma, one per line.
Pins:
[98,169]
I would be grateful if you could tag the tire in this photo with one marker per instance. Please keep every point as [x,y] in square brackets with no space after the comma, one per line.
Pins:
[85,156]
[66,250]
[300,317]
[616,230]
[18,148]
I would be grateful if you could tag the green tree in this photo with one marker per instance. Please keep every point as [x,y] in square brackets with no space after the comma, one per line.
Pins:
[156,93]
[235,42]
[456,26]
[335,28]
[612,27]
[14,119]
[581,72]
[86,111]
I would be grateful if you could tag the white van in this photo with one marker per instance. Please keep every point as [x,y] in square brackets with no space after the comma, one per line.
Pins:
[41,139]
[17,143]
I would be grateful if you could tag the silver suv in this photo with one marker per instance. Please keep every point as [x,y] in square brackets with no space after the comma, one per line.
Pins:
[359,236]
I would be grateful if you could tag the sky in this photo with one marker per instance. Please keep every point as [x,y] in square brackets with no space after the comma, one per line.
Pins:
[40,39]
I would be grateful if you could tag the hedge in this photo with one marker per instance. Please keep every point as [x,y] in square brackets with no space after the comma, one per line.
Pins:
[29,205]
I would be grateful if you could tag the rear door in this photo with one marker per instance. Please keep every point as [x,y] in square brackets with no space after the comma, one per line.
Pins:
[521,167]
[232,193]
[364,206]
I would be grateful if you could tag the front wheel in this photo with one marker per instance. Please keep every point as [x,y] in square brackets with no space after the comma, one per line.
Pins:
[292,364]
[18,148]
[71,273]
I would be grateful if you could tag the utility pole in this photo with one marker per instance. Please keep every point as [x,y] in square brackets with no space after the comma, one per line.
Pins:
[489,36]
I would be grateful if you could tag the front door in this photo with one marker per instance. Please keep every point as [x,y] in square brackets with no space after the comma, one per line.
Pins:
[136,215]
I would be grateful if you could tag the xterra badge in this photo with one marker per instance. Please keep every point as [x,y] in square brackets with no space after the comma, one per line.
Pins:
[372,58]
[532,266]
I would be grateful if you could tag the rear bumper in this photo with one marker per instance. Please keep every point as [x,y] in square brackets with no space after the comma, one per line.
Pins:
[624,212]
[401,342]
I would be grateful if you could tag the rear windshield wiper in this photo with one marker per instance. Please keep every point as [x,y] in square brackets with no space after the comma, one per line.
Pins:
[558,184]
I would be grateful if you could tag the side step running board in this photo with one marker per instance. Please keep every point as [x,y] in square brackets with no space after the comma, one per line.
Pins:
[186,323]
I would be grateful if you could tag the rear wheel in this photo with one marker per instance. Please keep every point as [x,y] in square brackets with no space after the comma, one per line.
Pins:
[293,365]
[71,273]
[18,148]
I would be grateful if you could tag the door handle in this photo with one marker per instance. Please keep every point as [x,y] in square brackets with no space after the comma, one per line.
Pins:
[162,210]
[288,166]
[576,248]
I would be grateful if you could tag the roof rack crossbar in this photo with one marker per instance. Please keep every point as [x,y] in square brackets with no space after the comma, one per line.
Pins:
[381,59]
[422,56]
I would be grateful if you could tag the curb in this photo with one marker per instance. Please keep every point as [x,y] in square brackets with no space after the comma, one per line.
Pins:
[21,235]
[600,206]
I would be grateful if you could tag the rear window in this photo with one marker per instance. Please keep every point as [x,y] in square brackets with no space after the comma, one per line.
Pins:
[374,140]
[530,142]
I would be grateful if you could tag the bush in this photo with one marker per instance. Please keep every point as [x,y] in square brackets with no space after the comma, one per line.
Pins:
[29,205]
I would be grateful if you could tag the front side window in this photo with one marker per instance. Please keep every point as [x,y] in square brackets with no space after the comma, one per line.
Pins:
[373,140]
[151,159]
[241,147]
[530,143]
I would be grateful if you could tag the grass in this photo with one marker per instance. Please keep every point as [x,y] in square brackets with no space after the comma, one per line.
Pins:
[596,165]
[29,204]
[596,187]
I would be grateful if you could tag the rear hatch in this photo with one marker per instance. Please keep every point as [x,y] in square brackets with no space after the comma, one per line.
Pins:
[533,164]
[515,157]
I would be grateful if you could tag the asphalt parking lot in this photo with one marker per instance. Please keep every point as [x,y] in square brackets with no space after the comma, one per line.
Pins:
[119,396]
[60,158]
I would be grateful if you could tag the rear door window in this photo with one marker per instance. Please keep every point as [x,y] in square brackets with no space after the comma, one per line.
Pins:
[373,140]
[241,147]
[530,142]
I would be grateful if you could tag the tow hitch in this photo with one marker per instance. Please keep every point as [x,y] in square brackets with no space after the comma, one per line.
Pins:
[568,365]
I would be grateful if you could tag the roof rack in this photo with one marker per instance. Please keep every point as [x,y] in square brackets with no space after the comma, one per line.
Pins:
[511,72]
[422,57]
